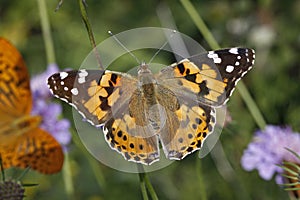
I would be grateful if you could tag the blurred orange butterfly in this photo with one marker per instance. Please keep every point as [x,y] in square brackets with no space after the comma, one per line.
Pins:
[22,143]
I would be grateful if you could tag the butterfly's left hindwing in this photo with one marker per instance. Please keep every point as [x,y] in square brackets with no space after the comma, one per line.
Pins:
[186,127]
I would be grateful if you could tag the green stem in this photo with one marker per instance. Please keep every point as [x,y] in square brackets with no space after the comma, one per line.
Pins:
[46,31]
[94,165]
[146,184]
[96,170]
[50,53]
[200,178]
[258,117]
[88,26]
[150,188]
[2,169]
[144,181]
[67,175]
[200,24]
[255,112]
[59,5]
[143,186]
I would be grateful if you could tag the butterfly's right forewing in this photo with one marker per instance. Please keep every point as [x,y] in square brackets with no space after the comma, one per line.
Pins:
[91,92]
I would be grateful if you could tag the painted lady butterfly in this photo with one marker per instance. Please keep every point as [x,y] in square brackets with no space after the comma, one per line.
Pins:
[174,108]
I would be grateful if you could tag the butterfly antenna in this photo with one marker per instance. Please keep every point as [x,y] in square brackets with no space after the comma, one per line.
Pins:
[174,31]
[122,45]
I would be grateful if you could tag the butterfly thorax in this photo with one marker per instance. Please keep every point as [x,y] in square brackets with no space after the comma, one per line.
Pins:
[147,83]
[148,89]
[145,76]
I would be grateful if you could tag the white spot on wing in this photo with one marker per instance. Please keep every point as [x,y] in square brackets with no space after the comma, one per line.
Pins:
[63,75]
[214,56]
[82,74]
[81,80]
[233,50]
[74,91]
[229,68]
[217,60]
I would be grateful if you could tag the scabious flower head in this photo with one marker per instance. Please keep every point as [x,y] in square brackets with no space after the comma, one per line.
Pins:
[50,111]
[10,189]
[268,150]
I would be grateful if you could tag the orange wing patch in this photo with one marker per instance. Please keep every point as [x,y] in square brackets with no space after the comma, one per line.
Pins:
[203,81]
[22,143]
[36,149]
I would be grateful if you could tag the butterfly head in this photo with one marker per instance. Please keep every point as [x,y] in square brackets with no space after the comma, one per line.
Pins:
[144,69]
[145,75]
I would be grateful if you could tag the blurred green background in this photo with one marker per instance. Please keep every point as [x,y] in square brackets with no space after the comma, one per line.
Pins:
[272,28]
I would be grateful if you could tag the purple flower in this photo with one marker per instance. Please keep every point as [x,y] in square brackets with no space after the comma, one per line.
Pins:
[268,150]
[50,112]
[38,83]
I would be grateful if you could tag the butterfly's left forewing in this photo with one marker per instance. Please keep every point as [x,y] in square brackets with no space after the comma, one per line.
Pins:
[232,64]
[109,98]
[208,78]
